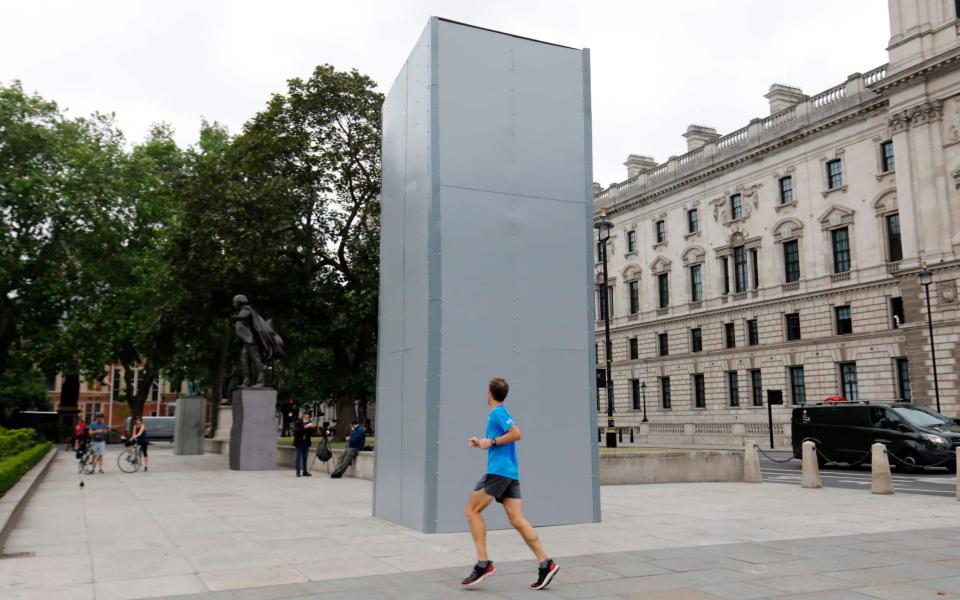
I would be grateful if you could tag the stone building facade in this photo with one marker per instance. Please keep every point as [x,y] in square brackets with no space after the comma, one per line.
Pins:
[784,255]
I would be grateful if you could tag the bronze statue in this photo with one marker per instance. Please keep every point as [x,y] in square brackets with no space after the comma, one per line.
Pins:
[260,342]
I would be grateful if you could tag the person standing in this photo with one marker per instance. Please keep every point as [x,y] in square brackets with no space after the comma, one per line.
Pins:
[355,443]
[140,437]
[98,441]
[302,430]
[79,434]
[501,483]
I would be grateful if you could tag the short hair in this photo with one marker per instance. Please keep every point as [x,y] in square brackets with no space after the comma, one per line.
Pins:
[499,388]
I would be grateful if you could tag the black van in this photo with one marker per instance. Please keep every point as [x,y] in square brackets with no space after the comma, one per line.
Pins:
[844,432]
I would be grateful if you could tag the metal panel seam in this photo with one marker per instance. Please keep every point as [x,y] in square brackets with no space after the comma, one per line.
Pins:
[588,256]
[432,417]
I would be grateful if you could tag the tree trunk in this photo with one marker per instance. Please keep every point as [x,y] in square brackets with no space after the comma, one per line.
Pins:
[346,414]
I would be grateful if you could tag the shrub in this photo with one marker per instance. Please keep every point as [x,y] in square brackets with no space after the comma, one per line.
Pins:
[13,468]
[15,441]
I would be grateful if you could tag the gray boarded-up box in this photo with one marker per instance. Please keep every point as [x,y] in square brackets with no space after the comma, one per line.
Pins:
[485,271]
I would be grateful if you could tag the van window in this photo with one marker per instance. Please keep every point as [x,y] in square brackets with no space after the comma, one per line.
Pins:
[883,418]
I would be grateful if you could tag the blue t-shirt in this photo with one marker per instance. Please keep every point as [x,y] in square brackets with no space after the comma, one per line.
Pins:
[501,460]
[97,432]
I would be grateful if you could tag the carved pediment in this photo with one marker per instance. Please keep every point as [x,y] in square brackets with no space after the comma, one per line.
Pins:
[836,216]
[660,265]
[631,272]
[886,201]
[693,255]
[787,229]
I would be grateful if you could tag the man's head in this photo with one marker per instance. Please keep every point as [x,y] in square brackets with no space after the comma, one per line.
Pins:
[305,416]
[497,391]
[99,416]
[240,300]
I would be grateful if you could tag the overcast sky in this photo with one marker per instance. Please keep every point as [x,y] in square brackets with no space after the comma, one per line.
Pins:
[657,66]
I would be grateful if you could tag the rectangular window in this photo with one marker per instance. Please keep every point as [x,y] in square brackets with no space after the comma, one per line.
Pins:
[115,387]
[798,388]
[896,309]
[665,392]
[634,349]
[736,207]
[696,283]
[739,269]
[894,245]
[903,380]
[155,390]
[634,287]
[663,287]
[753,334]
[90,410]
[834,174]
[844,321]
[886,156]
[733,388]
[730,335]
[600,246]
[696,340]
[635,393]
[605,305]
[756,387]
[791,261]
[693,220]
[786,190]
[848,380]
[793,327]
[631,241]
[699,391]
[726,274]
[756,268]
[663,344]
[841,250]
[661,232]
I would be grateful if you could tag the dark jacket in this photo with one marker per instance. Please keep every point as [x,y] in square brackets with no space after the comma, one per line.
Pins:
[358,437]
[301,435]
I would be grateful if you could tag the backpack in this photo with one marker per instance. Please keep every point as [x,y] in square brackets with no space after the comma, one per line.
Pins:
[323,452]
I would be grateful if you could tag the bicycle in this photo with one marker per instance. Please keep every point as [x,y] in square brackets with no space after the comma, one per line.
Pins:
[85,460]
[131,459]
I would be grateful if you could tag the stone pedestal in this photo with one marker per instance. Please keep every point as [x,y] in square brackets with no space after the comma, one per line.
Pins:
[224,423]
[188,428]
[253,436]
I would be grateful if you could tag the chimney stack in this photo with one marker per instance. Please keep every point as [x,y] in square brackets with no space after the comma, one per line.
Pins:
[637,164]
[783,96]
[597,188]
[698,135]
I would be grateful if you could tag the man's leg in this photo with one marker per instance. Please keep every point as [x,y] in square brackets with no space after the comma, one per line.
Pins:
[514,508]
[343,464]
[479,500]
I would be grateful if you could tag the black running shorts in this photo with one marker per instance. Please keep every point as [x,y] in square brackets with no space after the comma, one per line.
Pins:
[499,487]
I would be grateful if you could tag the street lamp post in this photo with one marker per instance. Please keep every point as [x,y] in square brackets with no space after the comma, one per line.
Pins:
[643,394]
[926,278]
[603,227]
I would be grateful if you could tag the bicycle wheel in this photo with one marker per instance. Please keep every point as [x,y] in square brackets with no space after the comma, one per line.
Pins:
[129,461]
[86,462]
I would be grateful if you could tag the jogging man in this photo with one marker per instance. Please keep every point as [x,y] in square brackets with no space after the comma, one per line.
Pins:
[501,483]
[98,435]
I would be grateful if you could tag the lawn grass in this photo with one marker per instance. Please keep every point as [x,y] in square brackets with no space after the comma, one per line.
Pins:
[334,445]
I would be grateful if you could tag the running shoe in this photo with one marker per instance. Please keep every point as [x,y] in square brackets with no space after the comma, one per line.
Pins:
[545,575]
[479,574]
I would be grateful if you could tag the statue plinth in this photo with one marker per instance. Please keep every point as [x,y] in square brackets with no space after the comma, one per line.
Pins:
[253,435]
[188,428]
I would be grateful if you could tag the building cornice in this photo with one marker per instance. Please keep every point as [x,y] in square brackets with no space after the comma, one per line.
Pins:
[898,79]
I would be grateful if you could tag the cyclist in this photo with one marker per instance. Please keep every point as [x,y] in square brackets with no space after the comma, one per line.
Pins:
[98,435]
[140,437]
[79,435]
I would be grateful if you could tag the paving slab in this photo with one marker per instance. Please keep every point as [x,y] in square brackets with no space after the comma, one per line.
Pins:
[190,527]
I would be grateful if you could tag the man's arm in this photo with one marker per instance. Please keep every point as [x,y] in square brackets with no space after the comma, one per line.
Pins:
[512,435]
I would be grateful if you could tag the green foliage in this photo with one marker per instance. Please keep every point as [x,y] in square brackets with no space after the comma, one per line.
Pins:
[21,386]
[13,468]
[111,253]
[15,441]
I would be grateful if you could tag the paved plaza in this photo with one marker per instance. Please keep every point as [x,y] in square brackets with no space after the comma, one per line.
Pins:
[190,526]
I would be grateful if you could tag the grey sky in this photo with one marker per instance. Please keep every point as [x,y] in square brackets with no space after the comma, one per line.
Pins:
[657,66]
